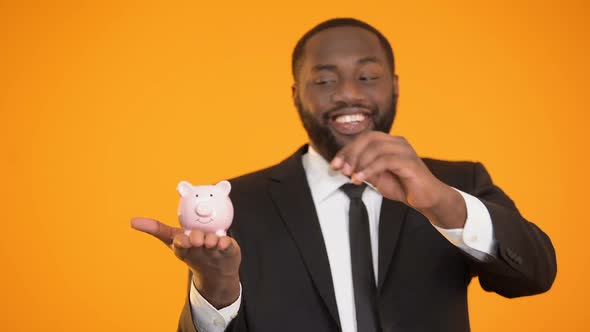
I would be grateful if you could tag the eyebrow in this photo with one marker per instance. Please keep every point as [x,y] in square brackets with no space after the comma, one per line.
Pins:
[367,59]
[321,67]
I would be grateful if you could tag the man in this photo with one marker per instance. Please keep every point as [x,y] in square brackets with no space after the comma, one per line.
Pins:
[355,232]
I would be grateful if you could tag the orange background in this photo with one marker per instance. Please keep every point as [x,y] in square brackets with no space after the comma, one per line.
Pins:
[105,106]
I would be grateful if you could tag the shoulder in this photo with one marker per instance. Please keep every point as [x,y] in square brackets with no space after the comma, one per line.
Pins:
[254,181]
[258,181]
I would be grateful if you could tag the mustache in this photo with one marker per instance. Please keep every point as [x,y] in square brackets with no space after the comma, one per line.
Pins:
[372,110]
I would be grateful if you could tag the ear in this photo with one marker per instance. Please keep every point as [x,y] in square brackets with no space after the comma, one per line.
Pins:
[184,188]
[224,186]
[294,93]
[396,85]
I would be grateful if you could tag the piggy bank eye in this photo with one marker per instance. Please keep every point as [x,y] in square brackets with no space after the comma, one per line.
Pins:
[211,195]
[197,195]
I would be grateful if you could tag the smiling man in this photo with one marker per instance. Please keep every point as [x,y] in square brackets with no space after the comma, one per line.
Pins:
[345,85]
[356,232]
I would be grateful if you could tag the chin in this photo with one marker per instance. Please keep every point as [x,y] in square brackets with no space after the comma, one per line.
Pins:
[342,141]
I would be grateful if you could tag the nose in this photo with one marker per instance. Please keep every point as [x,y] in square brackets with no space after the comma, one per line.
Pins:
[203,209]
[348,91]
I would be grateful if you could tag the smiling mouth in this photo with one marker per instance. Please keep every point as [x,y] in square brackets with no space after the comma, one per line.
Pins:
[349,118]
[350,123]
[204,220]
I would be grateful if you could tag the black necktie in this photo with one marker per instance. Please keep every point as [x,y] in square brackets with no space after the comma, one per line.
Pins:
[363,277]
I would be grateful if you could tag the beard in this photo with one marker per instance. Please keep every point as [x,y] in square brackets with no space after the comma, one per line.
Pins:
[324,140]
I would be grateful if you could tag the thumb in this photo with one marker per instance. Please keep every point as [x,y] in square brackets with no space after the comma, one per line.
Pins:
[156,229]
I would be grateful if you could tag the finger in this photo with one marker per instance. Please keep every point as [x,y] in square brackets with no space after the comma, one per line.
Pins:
[388,183]
[384,144]
[155,228]
[397,146]
[388,163]
[341,160]
[348,156]
[228,246]
[375,150]
[181,245]
[211,240]
[396,162]
[224,243]
[181,240]
[197,238]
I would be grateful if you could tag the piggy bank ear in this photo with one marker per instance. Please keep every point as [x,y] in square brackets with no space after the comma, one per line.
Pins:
[224,186]
[184,188]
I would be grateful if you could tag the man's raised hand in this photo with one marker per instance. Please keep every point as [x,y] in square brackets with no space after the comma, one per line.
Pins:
[213,260]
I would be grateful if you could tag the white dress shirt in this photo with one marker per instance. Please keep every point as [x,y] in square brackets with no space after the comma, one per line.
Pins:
[476,239]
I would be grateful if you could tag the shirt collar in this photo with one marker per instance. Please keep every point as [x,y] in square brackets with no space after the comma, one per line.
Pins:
[322,179]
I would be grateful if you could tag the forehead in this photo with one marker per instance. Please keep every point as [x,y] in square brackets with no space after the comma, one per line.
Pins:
[341,44]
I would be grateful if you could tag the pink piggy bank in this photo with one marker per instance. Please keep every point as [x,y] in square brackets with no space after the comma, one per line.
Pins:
[207,208]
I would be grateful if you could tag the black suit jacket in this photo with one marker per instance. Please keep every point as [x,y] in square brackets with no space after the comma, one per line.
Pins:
[422,283]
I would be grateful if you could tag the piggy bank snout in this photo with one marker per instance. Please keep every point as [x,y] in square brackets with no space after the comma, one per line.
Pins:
[203,209]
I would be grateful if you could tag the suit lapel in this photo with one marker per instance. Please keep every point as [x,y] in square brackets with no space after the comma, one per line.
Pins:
[393,215]
[291,194]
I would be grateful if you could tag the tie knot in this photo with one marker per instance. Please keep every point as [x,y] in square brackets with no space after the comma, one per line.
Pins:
[353,191]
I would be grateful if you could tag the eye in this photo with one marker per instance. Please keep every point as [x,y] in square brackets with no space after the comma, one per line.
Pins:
[324,80]
[211,195]
[368,78]
[197,195]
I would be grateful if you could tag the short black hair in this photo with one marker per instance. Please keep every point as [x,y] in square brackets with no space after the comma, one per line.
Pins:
[333,23]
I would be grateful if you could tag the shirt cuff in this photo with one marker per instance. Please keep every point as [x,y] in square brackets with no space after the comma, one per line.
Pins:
[208,319]
[477,236]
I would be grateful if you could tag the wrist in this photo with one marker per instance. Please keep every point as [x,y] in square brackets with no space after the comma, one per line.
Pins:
[448,211]
[219,291]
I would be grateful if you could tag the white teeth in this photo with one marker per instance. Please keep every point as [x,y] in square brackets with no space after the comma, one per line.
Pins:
[350,118]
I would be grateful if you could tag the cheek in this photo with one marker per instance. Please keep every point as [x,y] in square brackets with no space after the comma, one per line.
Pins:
[187,209]
[315,99]
[321,92]
[381,95]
